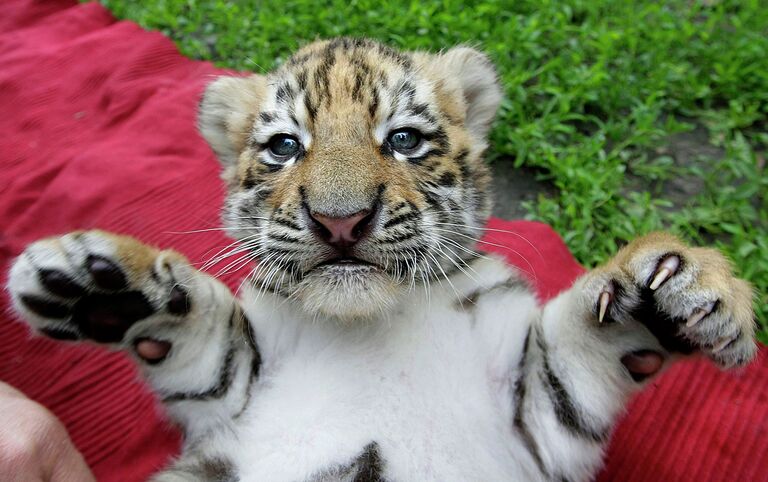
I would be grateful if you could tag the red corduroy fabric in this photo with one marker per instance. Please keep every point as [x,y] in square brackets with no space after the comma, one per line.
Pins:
[98,130]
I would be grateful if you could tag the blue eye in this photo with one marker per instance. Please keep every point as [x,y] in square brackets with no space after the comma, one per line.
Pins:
[284,146]
[404,140]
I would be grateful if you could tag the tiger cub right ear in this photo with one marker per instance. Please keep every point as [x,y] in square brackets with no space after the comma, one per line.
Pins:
[227,113]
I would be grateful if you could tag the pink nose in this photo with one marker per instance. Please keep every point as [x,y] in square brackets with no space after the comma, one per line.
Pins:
[343,232]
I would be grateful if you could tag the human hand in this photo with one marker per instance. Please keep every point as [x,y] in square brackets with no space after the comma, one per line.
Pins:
[34,445]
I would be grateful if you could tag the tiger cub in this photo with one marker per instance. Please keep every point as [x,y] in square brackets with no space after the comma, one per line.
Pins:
[373,342]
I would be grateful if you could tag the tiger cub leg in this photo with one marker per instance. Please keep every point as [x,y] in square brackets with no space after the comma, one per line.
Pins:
[185,329]
[619,325]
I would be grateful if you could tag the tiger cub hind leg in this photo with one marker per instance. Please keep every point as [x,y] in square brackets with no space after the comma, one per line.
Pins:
[184,328]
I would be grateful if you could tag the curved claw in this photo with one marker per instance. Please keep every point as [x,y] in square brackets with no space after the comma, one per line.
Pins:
[699,314]
[722,344]
[606,296]
[666,268]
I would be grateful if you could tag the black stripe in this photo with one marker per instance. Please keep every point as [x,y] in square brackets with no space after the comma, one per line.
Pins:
[398,238]
[400,206]
[519,400]
[299,59]
[225,375]
[276,250]
[436,152]
[422,111]
[370,465]
[311,108]
[418,109]
[301,79]
[406,90]
[461,160]
[218,469]
[513,283]
[358,87]
[563,404]
[322,74]
[284,92]
[439,138]
[432,199]
[283,237]
[374,105]
[447,179]
[250,339]
[286,222]
[249,181]
[366,467]
[272,168]
[400,219]
[205,469]
[267,117]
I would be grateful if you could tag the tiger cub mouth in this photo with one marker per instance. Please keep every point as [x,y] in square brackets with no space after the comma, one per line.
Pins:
[347,265]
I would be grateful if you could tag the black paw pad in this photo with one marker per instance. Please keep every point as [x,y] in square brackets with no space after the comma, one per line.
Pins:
[106,318]
[60,284]
[106,274]
[45,308]
[661,325]
[179,302]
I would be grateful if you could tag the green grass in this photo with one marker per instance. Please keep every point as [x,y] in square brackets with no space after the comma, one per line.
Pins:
[596,91]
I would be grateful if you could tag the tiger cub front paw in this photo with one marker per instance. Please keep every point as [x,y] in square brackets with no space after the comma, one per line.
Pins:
[96,285]
[687,297]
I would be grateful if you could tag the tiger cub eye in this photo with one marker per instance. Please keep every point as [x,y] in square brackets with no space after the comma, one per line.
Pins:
[284,146]
[404,140]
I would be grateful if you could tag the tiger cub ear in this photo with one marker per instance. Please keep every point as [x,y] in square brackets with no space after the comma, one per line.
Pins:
[227,113]
[478,83]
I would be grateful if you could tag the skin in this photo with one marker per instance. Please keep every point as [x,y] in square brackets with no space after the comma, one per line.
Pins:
[34,445]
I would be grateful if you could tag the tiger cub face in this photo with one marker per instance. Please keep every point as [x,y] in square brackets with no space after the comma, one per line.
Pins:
[354,170]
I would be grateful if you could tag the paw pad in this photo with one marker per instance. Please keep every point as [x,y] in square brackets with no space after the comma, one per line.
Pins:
[179,302]
[106,318]
[106,274]
[97,302]
[45,308]
[60,284]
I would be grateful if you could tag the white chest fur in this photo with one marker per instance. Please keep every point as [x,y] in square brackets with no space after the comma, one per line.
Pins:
[429,385]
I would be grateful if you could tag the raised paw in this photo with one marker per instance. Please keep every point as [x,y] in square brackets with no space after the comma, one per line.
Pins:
[95,285]
[687,297]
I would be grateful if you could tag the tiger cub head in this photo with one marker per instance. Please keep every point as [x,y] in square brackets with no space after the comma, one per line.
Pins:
[355,171]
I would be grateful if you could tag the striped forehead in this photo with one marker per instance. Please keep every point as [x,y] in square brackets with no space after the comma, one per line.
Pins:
[359,80]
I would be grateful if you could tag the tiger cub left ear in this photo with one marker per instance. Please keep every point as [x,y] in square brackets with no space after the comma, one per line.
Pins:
[478,82]
[227,113]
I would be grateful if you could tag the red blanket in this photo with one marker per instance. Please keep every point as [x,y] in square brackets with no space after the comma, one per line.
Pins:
[97,130]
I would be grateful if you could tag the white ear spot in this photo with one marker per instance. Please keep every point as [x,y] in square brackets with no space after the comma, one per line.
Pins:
[479,85]
[226,114]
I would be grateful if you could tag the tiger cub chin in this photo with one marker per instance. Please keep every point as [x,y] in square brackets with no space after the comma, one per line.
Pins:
[373,342]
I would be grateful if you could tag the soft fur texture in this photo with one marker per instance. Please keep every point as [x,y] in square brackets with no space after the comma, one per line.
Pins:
[400,353]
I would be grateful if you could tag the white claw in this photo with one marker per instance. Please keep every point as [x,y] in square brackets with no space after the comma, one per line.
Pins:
[666,269]
[662,275]
[699,314]
[605,300]
[722,344]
